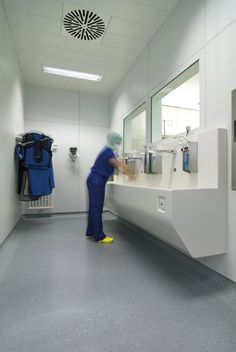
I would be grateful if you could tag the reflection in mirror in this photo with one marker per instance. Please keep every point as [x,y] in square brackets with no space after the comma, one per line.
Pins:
[134,126]
[176,106]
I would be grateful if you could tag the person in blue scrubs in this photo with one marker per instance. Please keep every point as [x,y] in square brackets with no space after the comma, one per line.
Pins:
[102,169]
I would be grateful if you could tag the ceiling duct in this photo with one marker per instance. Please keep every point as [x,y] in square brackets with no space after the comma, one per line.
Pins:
[84,24]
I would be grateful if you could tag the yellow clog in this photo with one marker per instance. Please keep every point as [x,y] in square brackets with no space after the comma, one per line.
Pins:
[106,240]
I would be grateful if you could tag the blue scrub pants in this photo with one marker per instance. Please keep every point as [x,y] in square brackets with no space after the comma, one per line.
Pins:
[96,189]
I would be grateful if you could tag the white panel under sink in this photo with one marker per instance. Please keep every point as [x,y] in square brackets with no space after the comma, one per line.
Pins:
[193,221]
[68,8]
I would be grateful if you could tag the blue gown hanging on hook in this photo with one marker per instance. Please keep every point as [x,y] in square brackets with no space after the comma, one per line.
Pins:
[36,177]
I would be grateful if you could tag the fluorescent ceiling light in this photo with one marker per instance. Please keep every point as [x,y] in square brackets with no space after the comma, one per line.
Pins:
[70,73]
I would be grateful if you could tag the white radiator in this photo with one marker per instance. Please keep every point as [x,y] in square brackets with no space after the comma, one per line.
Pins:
[44,202]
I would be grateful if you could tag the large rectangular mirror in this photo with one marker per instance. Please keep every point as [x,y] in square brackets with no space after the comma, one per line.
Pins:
[177,105]
[134,126]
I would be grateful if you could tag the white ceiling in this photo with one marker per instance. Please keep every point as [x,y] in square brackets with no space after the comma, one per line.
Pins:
[37,30]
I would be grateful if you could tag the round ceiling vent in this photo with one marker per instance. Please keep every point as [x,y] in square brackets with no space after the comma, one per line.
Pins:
[83,24]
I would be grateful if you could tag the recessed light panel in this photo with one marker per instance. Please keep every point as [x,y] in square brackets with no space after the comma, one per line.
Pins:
[71,73]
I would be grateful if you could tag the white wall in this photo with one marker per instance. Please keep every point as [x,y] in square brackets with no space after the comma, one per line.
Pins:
[72,119]
[11,123]
[204,30]
[131,92]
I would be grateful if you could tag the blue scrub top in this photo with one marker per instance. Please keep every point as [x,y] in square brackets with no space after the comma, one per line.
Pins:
[101,165]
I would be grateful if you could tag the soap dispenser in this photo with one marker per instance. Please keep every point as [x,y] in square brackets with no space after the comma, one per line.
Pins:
[190,157]
[186,163]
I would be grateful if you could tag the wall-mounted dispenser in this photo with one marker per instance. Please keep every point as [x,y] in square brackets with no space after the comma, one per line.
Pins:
[190,157]
[147,163]
[54,147]
[186,163]
[73,153]
[188,130]
[156,163]
[152,160]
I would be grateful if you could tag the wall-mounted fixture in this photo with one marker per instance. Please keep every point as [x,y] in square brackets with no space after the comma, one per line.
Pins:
[152,160]
[186,161]
[71,73]
[188,130]
[73,153]
[190,157]
[156,163]
[84,24]
[54,147]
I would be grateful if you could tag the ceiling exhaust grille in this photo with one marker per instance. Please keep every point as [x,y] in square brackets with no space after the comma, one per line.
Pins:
[84,24]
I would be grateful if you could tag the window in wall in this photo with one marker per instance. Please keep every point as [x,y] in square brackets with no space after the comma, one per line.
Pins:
[177,105]
[134,127]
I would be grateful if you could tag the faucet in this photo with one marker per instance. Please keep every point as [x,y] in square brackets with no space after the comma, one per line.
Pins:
[155,149]
[188,130]
[172,151]
[183,140]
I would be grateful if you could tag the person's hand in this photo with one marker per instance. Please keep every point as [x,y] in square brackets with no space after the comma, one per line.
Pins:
[132,176]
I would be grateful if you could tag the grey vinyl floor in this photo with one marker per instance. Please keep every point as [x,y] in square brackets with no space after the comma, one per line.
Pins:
[62,292]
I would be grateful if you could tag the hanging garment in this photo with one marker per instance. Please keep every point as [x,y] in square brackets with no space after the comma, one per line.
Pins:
[36,177]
